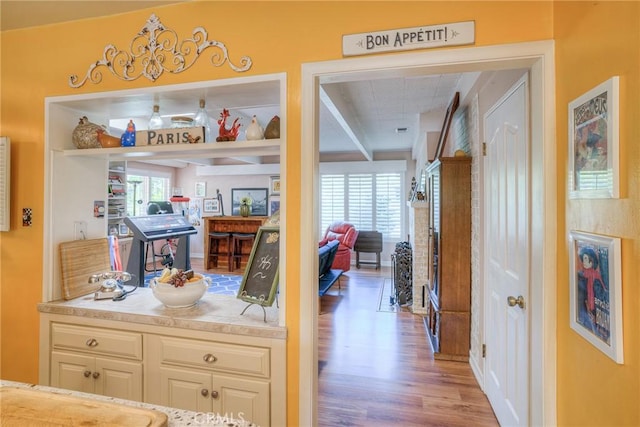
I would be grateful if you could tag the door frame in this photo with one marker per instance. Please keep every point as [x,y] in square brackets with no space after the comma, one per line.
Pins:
[538,58]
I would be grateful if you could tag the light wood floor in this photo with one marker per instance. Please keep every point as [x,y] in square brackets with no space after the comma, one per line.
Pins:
[377,368]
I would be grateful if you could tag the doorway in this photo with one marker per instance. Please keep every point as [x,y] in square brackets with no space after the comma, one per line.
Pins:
[537,57]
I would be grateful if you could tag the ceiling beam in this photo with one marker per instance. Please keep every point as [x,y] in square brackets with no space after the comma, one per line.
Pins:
[332,99]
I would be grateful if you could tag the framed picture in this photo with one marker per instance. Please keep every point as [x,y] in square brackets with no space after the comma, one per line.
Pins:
[124,230]
[274,205]
[596,291]
[593,143]
[258,196]
[201,189]
[275,186]
[446,124]
[212,206]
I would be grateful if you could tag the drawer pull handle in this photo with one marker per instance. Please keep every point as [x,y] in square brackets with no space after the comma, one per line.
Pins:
[204,392]
[209,358]
[214,394]
[87,374]
[92,342]
[96,375]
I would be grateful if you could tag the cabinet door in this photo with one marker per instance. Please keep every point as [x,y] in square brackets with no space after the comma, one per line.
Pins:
[72,371]
[118,378]
[185,389]
[241,398]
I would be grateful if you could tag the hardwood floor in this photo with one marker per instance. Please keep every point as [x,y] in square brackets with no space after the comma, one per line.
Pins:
[376,368]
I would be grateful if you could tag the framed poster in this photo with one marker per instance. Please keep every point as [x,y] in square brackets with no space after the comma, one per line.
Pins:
[593,143]
[274,186]
[596,291]
[201,189]
[259,200]
[211,206]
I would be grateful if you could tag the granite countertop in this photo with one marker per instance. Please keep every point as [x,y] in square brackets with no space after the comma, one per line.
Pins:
[213,313]
[176,417]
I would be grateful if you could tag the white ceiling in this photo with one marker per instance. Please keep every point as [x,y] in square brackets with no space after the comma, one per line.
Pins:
[357,116]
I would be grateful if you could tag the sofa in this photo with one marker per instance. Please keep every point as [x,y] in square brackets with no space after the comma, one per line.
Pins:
[326,275]
[346,234]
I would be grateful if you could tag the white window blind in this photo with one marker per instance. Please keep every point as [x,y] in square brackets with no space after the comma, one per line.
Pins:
[368,201]
[5,174]
[388,204]
[361,209]
[332,204]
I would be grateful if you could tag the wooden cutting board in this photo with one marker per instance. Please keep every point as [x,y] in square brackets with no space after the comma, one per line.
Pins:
[24,407]
[79,260]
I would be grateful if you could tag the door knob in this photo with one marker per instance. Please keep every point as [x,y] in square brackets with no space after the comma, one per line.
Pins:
[513,301]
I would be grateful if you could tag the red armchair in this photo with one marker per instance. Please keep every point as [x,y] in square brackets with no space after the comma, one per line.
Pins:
[346,234]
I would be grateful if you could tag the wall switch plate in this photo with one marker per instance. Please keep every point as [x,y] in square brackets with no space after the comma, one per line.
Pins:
[79,230]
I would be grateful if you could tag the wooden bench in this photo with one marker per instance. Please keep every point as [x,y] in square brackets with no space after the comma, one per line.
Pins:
[327,275]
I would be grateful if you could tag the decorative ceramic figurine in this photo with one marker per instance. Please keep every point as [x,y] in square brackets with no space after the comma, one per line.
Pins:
[273,129]
[85,135]
[128,138]
[225,134]
[254,130]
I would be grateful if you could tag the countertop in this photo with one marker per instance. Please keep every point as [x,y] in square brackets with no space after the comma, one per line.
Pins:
[176,417]
[213,313]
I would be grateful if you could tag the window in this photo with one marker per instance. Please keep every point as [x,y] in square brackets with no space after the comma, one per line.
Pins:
[370,201]
[143,188]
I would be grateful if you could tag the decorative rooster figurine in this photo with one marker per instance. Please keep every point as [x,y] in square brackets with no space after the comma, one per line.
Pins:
[225,134]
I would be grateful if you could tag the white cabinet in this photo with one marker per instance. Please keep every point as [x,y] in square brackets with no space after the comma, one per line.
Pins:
[96,361]
[211,376]
[242,376]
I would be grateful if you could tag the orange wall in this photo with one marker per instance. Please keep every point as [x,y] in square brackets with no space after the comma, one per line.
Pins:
[594,41]
[278,36]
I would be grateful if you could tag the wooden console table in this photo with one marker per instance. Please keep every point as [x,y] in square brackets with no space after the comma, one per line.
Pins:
[230,224]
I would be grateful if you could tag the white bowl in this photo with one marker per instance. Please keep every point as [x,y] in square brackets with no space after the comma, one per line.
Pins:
[184,296]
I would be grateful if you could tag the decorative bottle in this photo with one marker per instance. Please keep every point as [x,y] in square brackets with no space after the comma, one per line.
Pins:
[155,121]
[201,119]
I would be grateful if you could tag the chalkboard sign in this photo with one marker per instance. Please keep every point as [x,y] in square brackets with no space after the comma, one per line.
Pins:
[260,280]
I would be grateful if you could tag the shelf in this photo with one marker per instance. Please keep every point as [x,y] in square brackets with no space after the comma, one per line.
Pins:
[265,147]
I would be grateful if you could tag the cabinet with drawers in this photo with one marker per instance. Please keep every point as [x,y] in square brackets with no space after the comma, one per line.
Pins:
[210,376]
[238,374]
[96,361]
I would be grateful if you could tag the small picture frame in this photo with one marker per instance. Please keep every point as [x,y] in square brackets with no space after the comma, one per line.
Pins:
[596,291]
[274,205]
[201,189]
[211,206]
[274,186]
[123,230]
[593,143]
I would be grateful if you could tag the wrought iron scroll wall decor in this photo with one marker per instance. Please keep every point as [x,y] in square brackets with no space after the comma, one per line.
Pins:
[154,50]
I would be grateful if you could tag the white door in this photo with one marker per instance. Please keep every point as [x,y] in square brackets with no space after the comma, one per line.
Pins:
[507,198]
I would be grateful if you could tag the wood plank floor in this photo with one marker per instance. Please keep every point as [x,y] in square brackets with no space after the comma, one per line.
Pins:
[376,368]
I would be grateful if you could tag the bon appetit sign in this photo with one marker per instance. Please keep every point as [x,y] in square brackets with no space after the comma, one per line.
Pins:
[457,33]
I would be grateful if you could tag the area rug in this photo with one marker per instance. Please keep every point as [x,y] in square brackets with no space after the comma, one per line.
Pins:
[221,284]
[384,303]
